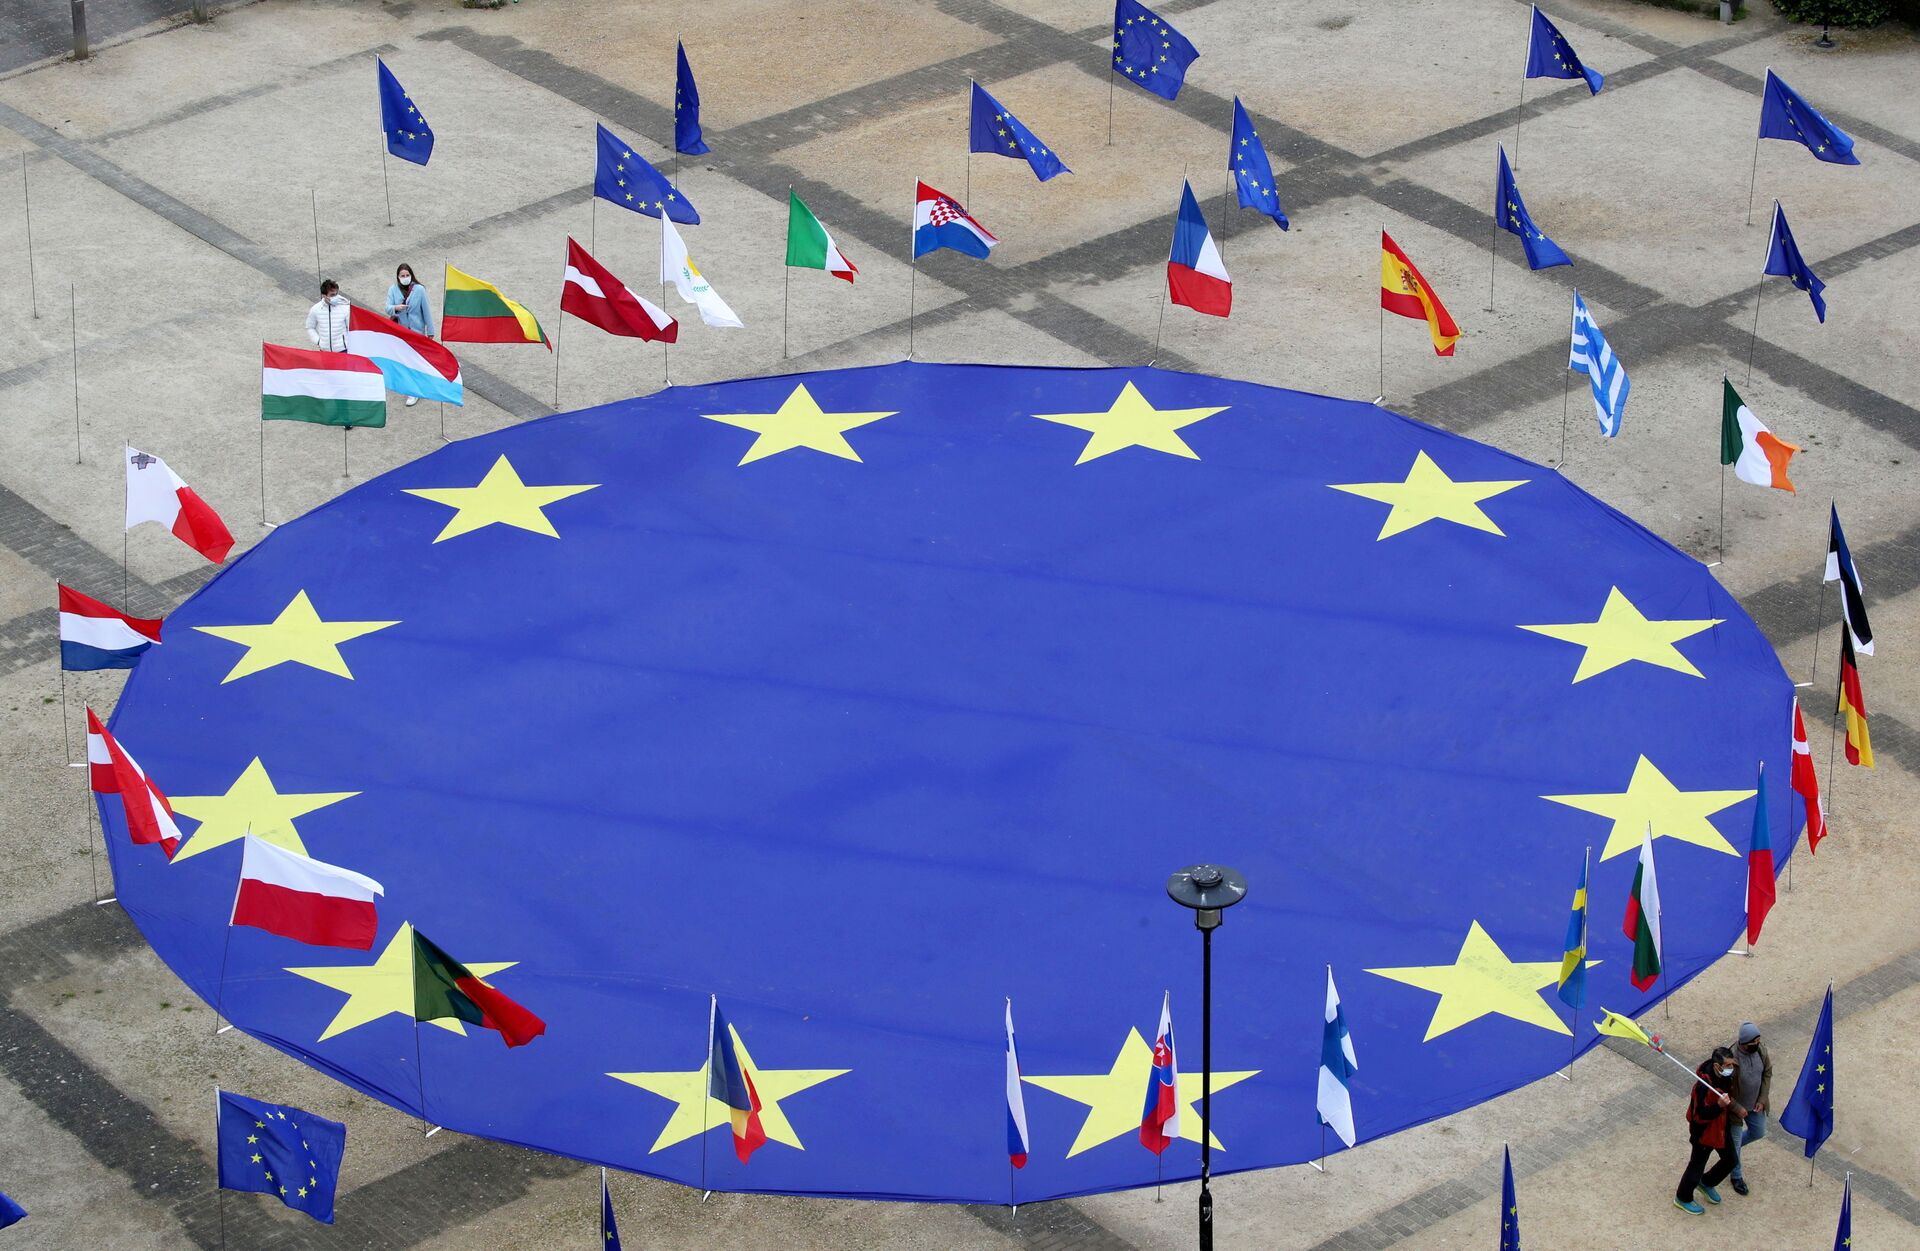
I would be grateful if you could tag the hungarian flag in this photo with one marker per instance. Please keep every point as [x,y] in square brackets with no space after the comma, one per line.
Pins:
[156,493]
[443,987]
[327,388]
[809,246]
[112,771]
[474,311]
[1160,1118]
[297,897]
[1642,923]
[1753,451]
[1405,293]
[1853,706]
[1196,276]
[594,295]
[94,636]
[1805,782]
[729,1083]
[1760,887]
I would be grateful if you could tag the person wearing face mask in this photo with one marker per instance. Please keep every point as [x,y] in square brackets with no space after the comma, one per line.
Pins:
[327,320]
[407,303]
[1709,1131]
[1752,1096]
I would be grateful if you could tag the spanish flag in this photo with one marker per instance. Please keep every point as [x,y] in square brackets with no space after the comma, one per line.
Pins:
[1404,292]
[1853,706]
[476,312]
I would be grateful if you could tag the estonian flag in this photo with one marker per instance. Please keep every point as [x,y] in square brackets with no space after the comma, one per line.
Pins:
[1195,275]
[1853,600]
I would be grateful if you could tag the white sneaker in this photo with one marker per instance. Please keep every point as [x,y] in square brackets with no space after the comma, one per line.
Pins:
[412,400]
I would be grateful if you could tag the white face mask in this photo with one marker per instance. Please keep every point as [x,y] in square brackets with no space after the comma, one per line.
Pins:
[1726,1072]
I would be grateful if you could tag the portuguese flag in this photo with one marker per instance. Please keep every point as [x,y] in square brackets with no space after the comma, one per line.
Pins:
[1642,923]
[809,246]
[443,987]
[476,312]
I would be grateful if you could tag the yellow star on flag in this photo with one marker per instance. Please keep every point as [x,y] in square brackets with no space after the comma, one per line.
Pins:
[253,803]
[799,422]
[1428,494]
[1624,633]
[296,636]
[1133,422]
[1650,799]
[384,987]
[1482,981]
[694,1110]
[500,499]
[1113,1097]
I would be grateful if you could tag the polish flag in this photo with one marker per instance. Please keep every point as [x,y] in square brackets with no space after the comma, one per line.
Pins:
[1805,783]
[156,493]
[1196,276]
[593,294]
[298,897]
[112,771]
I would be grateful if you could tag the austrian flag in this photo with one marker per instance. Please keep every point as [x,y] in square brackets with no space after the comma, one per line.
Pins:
[297,897]
[111,771]
[156,493]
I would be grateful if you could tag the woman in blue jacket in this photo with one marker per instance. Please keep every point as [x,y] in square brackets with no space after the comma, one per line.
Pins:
[407,303]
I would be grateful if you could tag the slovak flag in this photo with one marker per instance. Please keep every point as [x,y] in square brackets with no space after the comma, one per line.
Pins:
[940,222]
[1016,1101]
[1160,1118]
[94,636]
[156,493]
[1196,277]
[111,771]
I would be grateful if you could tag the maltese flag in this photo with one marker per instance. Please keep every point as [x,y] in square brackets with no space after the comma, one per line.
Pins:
[156,493]
[1196,277]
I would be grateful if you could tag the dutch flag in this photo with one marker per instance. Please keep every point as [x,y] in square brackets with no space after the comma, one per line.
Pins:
[94,636]
[1196,277]
[940,222]
[1016,1101]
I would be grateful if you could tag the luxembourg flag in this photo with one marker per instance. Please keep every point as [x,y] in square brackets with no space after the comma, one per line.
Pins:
[111,771]
[1160,1118]
[1195,275]
[156,493]
[1016,1101]
[940,222]
[298,897]
[94,636]
[412,363]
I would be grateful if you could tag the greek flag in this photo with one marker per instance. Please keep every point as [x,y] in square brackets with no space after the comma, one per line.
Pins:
[1337,1065]
[1592,357]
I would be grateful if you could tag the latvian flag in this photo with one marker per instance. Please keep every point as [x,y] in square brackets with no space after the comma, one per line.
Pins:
[156,493]
[940,222]
[94,636]
[112,771]
[412,363]
[594,295]
[1017,1140]
[1160,1118]
[1195,275]
[328,388]
[297,897]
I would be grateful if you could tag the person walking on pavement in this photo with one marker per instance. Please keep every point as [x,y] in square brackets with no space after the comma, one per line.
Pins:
[327,320]
[1752,1096]
[1708,1131]
[408,304]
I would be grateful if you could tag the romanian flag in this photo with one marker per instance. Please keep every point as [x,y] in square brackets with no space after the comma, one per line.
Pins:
[476,312]
[443,987]
[729,1082]
[1853,706]
[1405,293]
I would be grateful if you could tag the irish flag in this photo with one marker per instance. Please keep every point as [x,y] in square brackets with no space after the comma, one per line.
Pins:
[809,246]
[297,897]
[474,311]
[1642,923]
[1753,451]
[328,388]
[111,771]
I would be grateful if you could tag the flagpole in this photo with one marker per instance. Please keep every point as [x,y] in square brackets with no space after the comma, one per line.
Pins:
[1166,279]
[317,275]
[66,729]
[1566,394]
[1110,81]
[1754,336]
[1519,112]
[383,179]
[26,202]
[1382,397]
[93,868]
[219,1191]
[220,987]
[1820,604]
[1754,175]
[1833,742]
[913,256]
[786,286]
[125,606]
[345,430]
[443,331]
[713,1010]
[559,324]
[1576,1011]
[971,83]
[666,367]
[603,1206]
[263,473]
[73,328]
[593,222]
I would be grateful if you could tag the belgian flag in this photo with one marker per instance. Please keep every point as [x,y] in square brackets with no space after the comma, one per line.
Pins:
[1853,706]
[443,987]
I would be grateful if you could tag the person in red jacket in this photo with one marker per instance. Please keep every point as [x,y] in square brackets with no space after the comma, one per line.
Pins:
[1709,1131]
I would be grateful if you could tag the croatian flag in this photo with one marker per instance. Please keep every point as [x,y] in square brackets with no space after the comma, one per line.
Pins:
[1195,275]
[1016,1101]
[1160,1118]
[156,493]
[412,363]
[298,897]
[940,222]
[111,771]
[1337,1066]
[94,636]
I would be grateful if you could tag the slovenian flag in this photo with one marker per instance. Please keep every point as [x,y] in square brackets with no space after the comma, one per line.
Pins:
[729,1084]
[111,771]
[156,493]
[298,897]
[1195,275]
[1016,1101]
[94,636]
[940,222]
[412,363]
[1160,1118]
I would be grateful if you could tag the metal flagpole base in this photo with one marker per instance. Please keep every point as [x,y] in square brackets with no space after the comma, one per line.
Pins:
[1565,1075]
[436,1129]
[223,1029]
[1740,951]
[99,903]
[76,764]
[1713,564]
[1379,400]
[706,1196]
[270,525]
[1798,685]
[1318,1166]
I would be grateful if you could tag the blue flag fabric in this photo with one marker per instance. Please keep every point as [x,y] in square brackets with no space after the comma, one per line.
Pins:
[1509,1202]
[1573,958]
[1510,212]
[1252,172]
[11,1213]
[609,1228]
[995,129]
[1549,55]
[408,135]
[1785,114]
[626,178]
[686,108]
[1843,1233]
[1148,50]
[1784,261]
[1809,1114]
[273,1150]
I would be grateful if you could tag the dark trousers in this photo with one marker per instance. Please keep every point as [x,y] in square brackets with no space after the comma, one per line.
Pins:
[1694,1177]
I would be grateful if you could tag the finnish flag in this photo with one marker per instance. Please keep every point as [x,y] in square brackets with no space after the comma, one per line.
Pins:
[1337,1066]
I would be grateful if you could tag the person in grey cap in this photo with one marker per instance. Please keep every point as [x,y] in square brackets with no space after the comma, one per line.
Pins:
[1752,1096]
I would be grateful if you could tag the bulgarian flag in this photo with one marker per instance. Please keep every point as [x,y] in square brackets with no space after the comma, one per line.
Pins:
[1753,451]
[112,771]
[443,987]
[475,312]
[809,246]
[329,388]
[1642,923]
[297,897]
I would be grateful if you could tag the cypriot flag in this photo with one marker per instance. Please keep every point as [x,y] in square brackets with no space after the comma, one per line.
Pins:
[678,268]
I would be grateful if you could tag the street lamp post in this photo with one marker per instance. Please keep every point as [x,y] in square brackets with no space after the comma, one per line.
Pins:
[1209,889]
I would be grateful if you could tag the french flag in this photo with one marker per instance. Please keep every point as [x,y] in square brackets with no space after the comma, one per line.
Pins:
[1160,1118]
[1195,275]
[111,771]
[298,897]
[94,636]
[1016,1101]
[412,363]
[940,222]
[156,493]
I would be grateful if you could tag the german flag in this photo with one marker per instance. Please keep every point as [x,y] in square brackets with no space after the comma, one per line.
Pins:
[1853,706]
[729,1083]
[476,312]
[443,987]
[1405,293]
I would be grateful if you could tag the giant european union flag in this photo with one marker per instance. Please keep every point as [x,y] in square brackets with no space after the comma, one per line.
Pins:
[865,699]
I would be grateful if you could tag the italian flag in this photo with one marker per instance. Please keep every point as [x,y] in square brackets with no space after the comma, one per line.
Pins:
[1642,923]
[809,246]
[1753,451]
[297,897]
[474,311]
[443,987]
[329,388]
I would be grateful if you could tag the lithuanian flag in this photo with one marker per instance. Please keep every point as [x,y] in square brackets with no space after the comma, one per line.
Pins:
[1853,706]
[476,312]
[443,987]
[1405,293]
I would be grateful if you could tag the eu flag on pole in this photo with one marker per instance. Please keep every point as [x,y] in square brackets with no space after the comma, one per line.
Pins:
[995,129]
[408,135]
[1509,1202]
[626,178]
[1149,51]
[269,1149]
[686,107]
[1252,172]
[1809,1114]
[1843,1232]
[1549,55]
[609,1228]
[1784,261]
[1785,114]
[1510,212]
[11,1213]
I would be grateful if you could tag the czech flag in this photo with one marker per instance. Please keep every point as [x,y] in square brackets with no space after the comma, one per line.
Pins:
[111,771]
[94,636]
[940,222]
[1195,275]
[1016,1101]
[730,1083]
[1160,1118]
[1760,886]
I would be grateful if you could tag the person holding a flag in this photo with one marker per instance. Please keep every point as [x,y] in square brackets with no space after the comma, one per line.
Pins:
[1709,1130]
